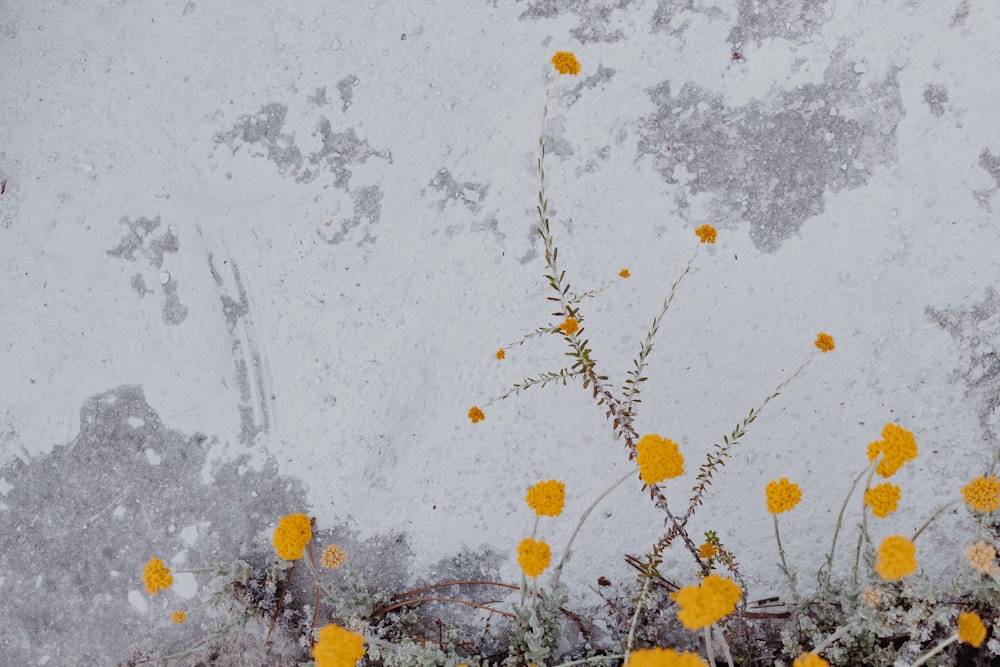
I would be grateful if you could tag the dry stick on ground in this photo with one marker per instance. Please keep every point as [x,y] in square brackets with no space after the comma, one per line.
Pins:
[312,560]
[277,609]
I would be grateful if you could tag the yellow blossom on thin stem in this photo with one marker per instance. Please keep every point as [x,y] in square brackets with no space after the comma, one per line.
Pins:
[663,657]
[501,353]
[983,558]
[704,604]
[824,342]
[624,273]
[896,447]
[971,629]
[883,499]
[658,459]
[782,495]
[178,617]
[982,494]
[332,557]
[810,660]
[897,558]
[707,551]
[533,556]
[337,647]
[157,577]
[570,326]
[706,234]
[292,535]
[566,63]
[547,498]
[476,415]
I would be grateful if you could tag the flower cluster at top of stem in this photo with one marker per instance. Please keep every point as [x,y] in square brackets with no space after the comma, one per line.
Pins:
[570,326]
[883,499]
[971,629]
[810,660]
[897,558]
[157,577]
[566,63]
[533,556]
[704,604]
[706,234]
[982,494]
[332,557]
[476,415]
[292,535]
[658,459]
[547,498]
[982,558]
[782,495]
[824,342]
[337,647]
[896,447]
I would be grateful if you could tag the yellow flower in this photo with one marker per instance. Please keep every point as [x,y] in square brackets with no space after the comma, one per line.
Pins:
[983,558]
[570,326]
[658,459]
[533,556]
[663,657]
[501,353]
[810,660]
[971,629]
[566,63]
[292,535]
[156,577]
[624,273]
[897,558]
[824,342]
[337,647]
[982,494]
[704,604]
[707,551]
[178,617]
[706,233]
[332,557]
[782,495]
[476,415]
[883,499]
[897,446]
[547,498]
[872,596]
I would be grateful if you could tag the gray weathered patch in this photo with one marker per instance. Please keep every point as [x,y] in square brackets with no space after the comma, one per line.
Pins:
[991,163]
[367,208]
[174,312]
[794,20]
[961,14]
[138,283]
[138,241]
[82,521]
[346,89]
[936,98]
[470,194]
[264,129]
[338,151]
[319,97]
[601,76]
[976,332]
[772,160]
[595,16]
[667,11]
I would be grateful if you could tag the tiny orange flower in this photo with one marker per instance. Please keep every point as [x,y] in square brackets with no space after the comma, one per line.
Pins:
[982,494]
[824,342]
[624,273]
[476,415]
[706,233]
[501,353]
[971,629]
[178,617]
[707,551]
[897,558]
[570,326]
[566,63]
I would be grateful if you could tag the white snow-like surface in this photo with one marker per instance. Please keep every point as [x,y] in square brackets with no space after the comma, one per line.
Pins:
[373,301]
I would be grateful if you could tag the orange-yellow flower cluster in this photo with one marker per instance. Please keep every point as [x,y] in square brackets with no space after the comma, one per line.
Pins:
[710,601]
[663,657]
[533,556]
[178,617]
[570,326]
[824,342]
[971,629]
[983,558]
[624,273]
[501,353]
[896,447]
[337,647]
[707,551]
[156,577]
[982,494]
[782,495]
[476,415]
[810,660]
[292,535]
[883,499]
[658,459]
[332,557]
[897,558]
[547,498]
[566,63]
[706,234]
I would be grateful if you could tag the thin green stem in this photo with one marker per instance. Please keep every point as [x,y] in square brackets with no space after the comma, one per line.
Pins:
[862,532]
[639,605]
[784,565]
[708,646]
[836,533]
[937,649]
[930,520]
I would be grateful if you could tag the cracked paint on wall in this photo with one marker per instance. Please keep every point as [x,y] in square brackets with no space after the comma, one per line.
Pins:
[138,241]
